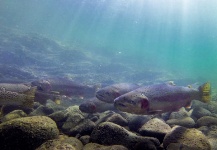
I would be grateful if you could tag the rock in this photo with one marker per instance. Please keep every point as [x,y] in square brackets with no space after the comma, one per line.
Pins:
[135,122]
[182,113]
[85,139]
[95,146]
[9,108]
[59,117]
[199,112]
[55,107]
[178,146]
[41,111]
[187,137]
[69,143]
[117,119]
[104,116]
[206,121]
[27,133]
[213,143]
[71,122]
[155,128]
[74,116]
[84,127]
[13,115]
[185,122]
[108,133]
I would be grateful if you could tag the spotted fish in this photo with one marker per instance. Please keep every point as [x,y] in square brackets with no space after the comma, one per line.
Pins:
[160,98]
[15,87]
[64,86]
[109,93]
[94,105]
[25,99]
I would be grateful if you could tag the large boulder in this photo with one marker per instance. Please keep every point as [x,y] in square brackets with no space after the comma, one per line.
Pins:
[27,133]
[191,138]
[67,143]
[108,133]
[187,122]
[155,128]
[206,121]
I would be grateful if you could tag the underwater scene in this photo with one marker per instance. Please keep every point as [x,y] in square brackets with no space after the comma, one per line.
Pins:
[108,75]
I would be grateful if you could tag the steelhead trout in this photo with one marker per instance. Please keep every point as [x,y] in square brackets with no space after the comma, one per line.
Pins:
[64,86]
[109,93]
[94,105]
[25,99]
[15,87]
[160,98]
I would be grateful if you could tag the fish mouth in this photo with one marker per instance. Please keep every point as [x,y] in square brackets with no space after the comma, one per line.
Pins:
[120,104]
[100,97]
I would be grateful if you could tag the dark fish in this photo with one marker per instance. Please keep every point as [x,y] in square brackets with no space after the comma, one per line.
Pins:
[160,98]
[63,86]
[109,93]
[15,87]
[25,99]
[94,105]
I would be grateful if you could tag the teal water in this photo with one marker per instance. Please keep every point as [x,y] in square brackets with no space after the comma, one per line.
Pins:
[179,36]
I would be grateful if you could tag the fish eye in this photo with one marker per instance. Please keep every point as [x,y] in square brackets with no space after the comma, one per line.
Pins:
[132,102]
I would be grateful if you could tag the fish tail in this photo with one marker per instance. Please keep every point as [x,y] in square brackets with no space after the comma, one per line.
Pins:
[30,95]
[205,92]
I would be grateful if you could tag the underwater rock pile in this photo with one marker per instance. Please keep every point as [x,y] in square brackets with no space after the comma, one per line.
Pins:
[108,130]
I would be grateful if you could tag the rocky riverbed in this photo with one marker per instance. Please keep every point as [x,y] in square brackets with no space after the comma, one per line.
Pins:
[52,127]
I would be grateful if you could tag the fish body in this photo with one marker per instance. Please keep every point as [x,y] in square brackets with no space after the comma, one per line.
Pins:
[15,87]
[63,86]
[25,99]
[94,105]
[157,99]
[109,93]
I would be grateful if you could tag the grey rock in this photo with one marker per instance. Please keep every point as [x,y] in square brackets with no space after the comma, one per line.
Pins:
[117,119]
[206,121]
[69,143]
[155,128]
[135,122]
[84,127]
[13,115]
[59,117]
[27,133]
[185,122]
[108,133]
[199,112]
[41,111]
[187,137]
[85,139]
[71,122]
[182,113]
[95,146]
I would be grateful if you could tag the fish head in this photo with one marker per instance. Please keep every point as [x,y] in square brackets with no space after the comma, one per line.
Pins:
[42,85]
[107,94]
[132,102]
[88,107]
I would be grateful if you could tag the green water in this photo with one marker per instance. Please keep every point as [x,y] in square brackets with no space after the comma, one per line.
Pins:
[179,36]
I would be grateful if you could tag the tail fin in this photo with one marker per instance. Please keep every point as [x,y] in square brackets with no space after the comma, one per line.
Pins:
[30,95]
[205,91]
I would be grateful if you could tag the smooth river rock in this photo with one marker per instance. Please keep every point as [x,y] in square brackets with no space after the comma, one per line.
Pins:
[27,133]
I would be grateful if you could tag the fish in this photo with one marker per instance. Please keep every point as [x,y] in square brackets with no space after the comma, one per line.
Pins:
[161,98]
[109,93]
[64,86]
[15,87]
[93,105]
[25,99]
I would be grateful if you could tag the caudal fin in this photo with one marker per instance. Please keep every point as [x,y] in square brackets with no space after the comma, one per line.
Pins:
[205,91]
[30,95]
